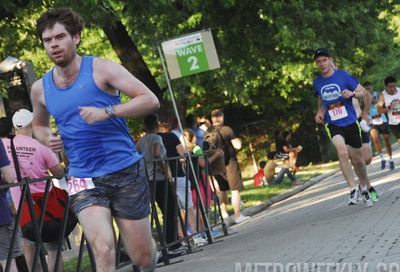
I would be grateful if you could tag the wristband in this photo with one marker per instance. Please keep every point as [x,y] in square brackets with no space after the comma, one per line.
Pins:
[110,111]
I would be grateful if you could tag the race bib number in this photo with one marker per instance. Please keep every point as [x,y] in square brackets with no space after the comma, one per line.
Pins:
[337,112]
[76,185]
[377,121]
[396,114]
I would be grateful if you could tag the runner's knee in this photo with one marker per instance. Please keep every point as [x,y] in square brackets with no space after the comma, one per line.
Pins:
[144,258]
[343,154]
[104,250]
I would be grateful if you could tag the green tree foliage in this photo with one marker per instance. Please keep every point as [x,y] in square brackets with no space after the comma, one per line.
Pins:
[265,49]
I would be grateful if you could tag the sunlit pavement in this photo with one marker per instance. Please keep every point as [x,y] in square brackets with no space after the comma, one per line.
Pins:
[313,229]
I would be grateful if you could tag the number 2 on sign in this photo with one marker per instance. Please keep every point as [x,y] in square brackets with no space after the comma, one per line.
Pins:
[193,61]
[76,185]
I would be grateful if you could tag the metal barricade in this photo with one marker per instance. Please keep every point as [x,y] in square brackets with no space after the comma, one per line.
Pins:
[194,175]
[203,209]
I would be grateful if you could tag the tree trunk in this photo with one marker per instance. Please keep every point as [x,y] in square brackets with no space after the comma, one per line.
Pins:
[129,55]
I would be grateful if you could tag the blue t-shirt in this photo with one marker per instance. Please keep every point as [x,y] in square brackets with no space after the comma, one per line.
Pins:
[373,110]
[338,110]
[5,212]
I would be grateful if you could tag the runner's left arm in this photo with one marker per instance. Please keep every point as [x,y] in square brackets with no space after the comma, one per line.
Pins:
[319,116]
[111,76]
[366,103]
[360,91]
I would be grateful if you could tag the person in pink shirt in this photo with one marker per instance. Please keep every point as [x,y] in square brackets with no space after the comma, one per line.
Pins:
[35,160]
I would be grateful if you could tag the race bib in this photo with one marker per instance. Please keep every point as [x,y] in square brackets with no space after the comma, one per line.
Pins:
[76,185]
[396,114]
[337,111]
[377,121]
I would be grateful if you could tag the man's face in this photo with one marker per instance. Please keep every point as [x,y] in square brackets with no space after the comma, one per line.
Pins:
[368,88]
[324,64]
[217,120]
[391,88]
[60,46]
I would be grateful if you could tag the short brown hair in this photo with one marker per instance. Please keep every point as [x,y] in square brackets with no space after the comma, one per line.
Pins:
[72,21]
[217,113]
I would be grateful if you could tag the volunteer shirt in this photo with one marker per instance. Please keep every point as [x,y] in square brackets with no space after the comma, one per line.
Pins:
[34,160]
[338,110]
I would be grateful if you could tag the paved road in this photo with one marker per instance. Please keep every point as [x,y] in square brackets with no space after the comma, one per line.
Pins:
[313,231]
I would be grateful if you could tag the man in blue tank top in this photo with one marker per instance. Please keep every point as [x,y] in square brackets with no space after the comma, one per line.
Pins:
[335,90]
[106,174]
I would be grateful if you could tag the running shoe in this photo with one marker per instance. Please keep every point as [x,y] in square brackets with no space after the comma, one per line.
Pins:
[214,233]
[391,165]
[373,194]
[241,218]
[199,240]
[367,198]
[183,249]
[353,197]
[383,164]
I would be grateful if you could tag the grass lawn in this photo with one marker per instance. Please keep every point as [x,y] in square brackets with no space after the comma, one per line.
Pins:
[70,265]
[255,195]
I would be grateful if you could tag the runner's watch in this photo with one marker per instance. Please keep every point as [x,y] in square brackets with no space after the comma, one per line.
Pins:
[110,111]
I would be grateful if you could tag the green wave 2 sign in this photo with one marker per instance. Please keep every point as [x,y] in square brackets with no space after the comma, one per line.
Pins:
[190,54]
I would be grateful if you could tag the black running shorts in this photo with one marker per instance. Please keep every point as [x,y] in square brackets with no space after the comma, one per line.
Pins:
[350,133]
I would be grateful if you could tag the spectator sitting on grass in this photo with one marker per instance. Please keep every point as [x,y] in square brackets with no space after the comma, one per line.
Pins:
[259,177]
[269,172]
[287,150]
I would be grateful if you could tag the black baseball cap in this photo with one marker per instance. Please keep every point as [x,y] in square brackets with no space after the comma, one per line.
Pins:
[322,52]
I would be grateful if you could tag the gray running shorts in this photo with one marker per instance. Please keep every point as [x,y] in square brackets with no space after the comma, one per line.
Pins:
[125,193]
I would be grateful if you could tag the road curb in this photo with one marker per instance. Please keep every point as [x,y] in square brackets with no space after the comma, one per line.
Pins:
[250,211]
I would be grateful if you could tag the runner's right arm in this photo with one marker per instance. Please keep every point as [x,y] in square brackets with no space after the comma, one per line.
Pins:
[319,117]
[367,104]
[381,105]
[41,119]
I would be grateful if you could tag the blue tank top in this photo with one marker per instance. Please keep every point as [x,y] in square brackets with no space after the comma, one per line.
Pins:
[93,150]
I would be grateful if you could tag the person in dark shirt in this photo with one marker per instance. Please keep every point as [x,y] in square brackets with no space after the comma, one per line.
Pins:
[286,150]
[175,149]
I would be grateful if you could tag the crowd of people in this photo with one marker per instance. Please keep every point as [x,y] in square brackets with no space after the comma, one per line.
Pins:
[112,177]
[166,149]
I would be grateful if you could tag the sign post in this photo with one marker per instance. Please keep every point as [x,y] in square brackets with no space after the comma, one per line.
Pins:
[188,55]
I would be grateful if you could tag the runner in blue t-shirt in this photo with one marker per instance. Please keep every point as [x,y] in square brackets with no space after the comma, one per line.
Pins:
[335,90]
